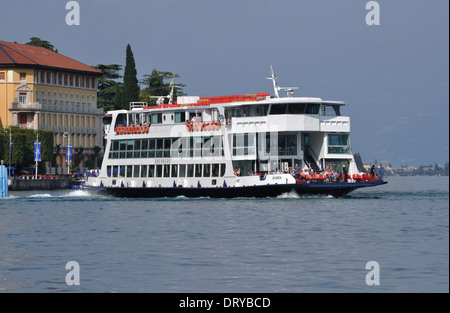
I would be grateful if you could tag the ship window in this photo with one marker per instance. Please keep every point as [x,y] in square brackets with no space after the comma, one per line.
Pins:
[159,170]
[278,109]
[108,171]
[174,170]
[198,144]
[137,144]
[144,148]
[312,108]
[190,171]
[222,169]
[121,118]
[337,140]
[151,171]
[206,170]
[143,170]
[166,170]
[287,144]
[136,170]
[130,145]
[159,147]
[198,170]
[159,144]
[215,170]
[182,170]
[115,145]
[243,144]
[296,108]
[338,143]
[180,117]
[261,110]
[157,118]
[115,171]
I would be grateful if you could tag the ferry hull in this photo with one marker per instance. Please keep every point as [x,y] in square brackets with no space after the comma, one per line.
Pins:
[335,189]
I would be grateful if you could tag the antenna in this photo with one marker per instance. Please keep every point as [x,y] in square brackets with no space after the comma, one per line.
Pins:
[289,90]
[172,85]
[274,80]
[169,96]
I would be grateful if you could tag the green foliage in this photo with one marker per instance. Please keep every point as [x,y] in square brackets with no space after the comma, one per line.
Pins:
[358,161]
[154,85]
[131,88]
[108,87]
[90,164]
[23,147]
[38,42]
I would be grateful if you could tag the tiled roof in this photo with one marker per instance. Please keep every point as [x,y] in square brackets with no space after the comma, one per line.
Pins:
[14,54]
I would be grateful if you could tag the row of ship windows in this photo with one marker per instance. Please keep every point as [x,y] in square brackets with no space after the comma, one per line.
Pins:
[167,147]
[167,170]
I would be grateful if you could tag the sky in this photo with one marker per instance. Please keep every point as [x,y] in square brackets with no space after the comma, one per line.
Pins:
[394,76]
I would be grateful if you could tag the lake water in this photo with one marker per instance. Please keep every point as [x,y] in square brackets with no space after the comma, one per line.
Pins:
[286,244]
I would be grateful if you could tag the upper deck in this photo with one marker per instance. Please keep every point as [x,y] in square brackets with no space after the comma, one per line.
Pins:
[237,114]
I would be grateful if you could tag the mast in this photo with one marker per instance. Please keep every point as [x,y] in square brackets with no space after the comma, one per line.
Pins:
[274,80]
[289,90]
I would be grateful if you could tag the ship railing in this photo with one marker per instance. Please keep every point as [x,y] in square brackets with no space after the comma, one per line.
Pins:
[138,105]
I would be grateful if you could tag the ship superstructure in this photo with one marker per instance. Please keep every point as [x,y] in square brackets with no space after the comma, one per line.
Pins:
[239,145]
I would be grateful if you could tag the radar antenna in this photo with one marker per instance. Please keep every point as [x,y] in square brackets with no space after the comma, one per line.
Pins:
[276,88]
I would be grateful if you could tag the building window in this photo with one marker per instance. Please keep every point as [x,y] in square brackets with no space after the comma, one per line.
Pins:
[2,75]
[23,98]
[23,76]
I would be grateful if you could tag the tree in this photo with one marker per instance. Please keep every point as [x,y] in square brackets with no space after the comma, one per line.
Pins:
[78,157]
[358,161]
[23,147]
[108,87]
[155,86]
[38,42]
[131,88]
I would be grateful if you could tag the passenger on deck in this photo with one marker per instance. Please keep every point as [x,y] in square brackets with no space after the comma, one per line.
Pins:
[344,173]
[372,171]
[297,170]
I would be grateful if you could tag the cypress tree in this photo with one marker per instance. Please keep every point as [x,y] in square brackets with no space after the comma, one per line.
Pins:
[131,88]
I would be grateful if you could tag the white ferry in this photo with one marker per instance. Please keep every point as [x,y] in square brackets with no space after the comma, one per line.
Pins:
[253,145]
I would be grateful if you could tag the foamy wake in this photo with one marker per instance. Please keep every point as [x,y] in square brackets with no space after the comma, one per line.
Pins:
[289,195]
[41,195]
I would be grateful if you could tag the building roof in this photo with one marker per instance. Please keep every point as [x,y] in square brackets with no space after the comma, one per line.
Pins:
[18,55]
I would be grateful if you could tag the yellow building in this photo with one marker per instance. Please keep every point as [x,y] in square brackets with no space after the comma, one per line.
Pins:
[42,89]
